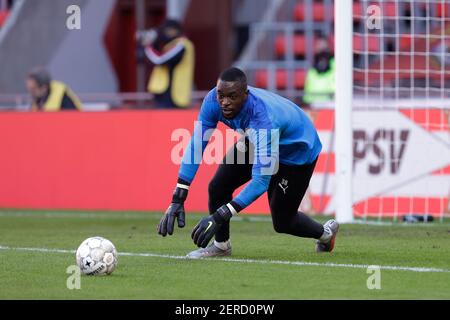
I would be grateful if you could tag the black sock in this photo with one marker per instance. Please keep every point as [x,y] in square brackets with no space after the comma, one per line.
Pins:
[299,225]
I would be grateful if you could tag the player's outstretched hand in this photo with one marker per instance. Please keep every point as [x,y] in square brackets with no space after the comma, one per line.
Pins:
[204,231]
[175,211]
[207,227]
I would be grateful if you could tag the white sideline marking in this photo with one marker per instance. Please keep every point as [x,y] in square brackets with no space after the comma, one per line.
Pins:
[145,215]
[255,261]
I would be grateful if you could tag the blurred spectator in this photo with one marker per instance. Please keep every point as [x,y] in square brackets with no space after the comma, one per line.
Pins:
[320,79]
[48,94]
[173,56]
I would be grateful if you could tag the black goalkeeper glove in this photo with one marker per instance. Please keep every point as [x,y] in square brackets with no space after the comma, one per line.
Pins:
[207,227]
[175,210]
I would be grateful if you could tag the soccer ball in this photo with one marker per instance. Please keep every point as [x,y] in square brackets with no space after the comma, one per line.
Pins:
[96,256]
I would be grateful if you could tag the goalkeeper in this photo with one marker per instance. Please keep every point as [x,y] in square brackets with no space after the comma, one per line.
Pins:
[277,154]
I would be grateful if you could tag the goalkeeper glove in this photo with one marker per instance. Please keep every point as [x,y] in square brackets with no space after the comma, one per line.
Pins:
[175,210]
[207,227]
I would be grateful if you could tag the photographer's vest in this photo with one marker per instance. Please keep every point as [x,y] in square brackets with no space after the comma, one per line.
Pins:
[180,85]
[320,87]
[55,98]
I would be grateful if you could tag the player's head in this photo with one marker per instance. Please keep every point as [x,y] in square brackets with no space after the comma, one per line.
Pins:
[231,92]
[169,30]
[172,28]
[38,82]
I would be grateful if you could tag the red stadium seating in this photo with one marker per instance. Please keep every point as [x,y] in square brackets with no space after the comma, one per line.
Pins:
[373,43]
[281,77]
[299,78]
[406,41]
[443,10]
[389,9]
[357,10]
[299,45]
[318,12]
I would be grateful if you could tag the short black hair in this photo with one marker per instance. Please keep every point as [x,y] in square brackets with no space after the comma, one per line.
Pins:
[172,23]
[233,74]
[41,76]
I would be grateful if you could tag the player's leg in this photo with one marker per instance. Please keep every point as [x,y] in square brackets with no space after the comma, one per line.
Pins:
[234,171]
[286,191]
[227,179]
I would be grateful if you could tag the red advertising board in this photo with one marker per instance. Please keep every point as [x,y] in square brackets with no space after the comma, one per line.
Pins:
[97,161]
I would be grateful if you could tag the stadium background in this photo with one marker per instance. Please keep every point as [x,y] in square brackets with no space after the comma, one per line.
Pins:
[118,155]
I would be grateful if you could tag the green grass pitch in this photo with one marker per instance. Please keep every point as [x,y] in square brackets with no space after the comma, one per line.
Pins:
[264,264]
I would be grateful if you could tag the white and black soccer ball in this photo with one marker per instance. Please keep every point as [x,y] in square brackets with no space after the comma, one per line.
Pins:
[96,256]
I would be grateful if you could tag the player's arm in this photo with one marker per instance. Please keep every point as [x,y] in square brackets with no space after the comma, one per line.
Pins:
[265,164]
[207,122]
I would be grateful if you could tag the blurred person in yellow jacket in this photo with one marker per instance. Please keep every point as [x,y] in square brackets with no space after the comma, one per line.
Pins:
[320,79]
[173,57]
[49,95]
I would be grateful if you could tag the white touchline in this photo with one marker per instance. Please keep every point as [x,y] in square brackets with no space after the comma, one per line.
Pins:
[144,215]
[255,261]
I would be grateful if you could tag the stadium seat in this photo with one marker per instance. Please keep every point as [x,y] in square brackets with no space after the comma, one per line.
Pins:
[373,43]
[281,77]
[319,12]
[357,10]
[442,10]
[389,9]
[299,45]
[300,78]
[406,41]
[261,78]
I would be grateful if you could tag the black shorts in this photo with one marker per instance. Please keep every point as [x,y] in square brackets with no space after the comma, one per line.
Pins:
[286,189]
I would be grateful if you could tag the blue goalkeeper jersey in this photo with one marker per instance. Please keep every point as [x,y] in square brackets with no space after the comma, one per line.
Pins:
[277,128]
